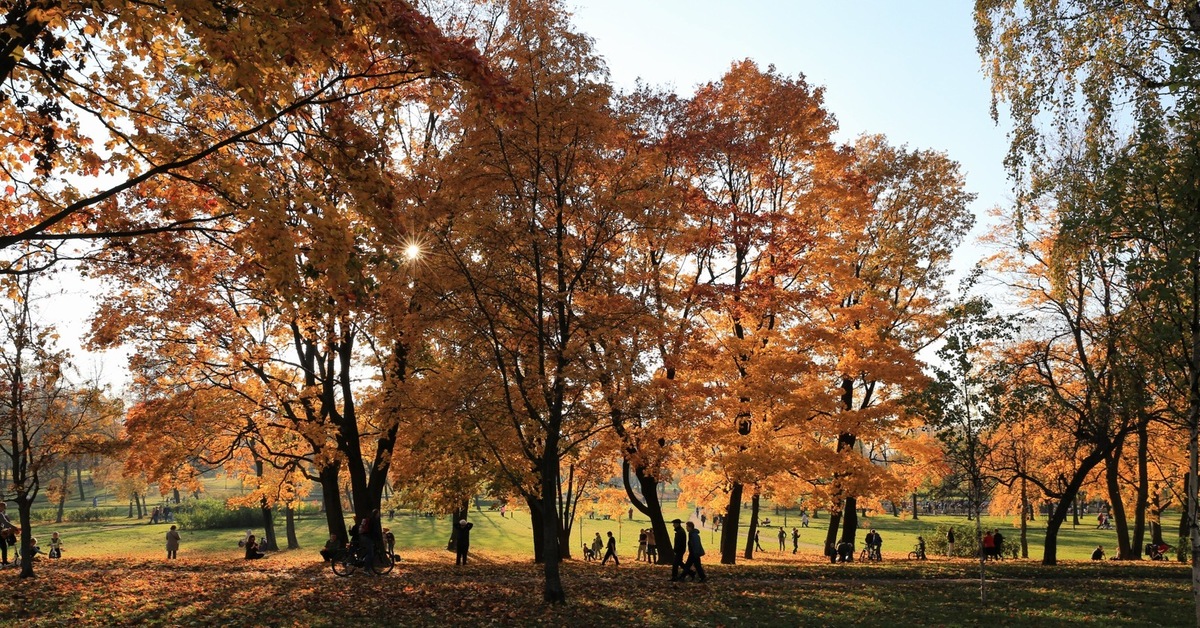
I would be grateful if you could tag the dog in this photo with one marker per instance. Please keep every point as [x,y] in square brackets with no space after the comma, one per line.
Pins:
[589,554]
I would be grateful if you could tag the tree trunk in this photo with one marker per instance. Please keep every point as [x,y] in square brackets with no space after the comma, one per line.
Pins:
[79,479]
[831,533]
[24,506]
[535,522]
[62,496]
[916,515]
[1184,521]
[1142,503]
[749,553]
[1024,518]
[269,542]
[331,498]
[729,525]
[176,495]
[290,527]
[1066,500]
[1113,481]
[552,590]
[850,520]
[650,506]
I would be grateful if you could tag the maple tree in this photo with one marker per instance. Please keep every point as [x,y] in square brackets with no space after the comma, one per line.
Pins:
[103,98]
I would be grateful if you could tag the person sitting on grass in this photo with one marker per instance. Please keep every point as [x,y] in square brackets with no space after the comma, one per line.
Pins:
[1098,554]
[331,547]
[252,552]
[845,551]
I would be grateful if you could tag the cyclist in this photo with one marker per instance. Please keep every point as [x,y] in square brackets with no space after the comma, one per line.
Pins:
[874,544]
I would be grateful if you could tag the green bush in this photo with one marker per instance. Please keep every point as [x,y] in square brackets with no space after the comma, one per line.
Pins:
[80,515]
[210,514]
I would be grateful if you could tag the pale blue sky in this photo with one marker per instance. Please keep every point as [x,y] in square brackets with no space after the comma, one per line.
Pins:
[908,70]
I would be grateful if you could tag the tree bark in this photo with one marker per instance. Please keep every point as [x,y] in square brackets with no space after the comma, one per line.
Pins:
[1024,518]
[1113,482]
[749,553]
[79,479]
[290,527]
[652,508]
[331,497]
[850,520]
[62,496]
[729,525]
[1065,503]
[916,515]
[1142,503]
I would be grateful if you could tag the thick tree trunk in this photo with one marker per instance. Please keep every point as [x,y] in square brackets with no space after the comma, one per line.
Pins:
[290,527]
[850,520]
[269,542]
[24,506]
[652,508]
[1142,503]
[1113,482]
[831,533]
[1065,503]
[916,515]
[535,522]
[729,525]
[749,553]
[176,495]
[331,498]
[552,590]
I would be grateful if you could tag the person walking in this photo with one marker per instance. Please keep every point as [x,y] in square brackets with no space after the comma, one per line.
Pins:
[597,545]
[680,546]
[795,540]
[950,543]
[989,545]
[611,552]
[641,552]
[463,545]
[998,544]
[782,539]
[804,520]
[756,545]
[172,543]
[692,568]
[651,547]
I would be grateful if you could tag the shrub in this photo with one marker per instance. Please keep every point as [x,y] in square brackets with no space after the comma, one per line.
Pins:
[84,515]
[211,514]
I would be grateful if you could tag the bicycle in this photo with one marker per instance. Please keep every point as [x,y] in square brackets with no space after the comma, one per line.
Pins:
[349,559]
[918,553]
[869,553]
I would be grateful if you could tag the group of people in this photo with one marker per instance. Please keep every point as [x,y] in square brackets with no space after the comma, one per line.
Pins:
[647,546]
[993,545]
[162,513]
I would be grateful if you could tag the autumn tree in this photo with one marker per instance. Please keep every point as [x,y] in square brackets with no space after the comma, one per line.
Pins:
[1072,72]
[102,98]
[891,311]
[44,417]
[536,216]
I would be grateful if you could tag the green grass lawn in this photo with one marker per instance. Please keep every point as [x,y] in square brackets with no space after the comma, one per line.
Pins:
[511,535]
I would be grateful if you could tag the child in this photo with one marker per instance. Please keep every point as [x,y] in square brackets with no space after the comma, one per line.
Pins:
[55,546]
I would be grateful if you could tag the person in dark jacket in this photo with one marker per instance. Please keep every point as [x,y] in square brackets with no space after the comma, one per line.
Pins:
[464,541]
[679,547]
[252,552]
[692,568]
[611,552]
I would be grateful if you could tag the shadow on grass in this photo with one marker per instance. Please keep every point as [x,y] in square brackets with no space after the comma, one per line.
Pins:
[426,589]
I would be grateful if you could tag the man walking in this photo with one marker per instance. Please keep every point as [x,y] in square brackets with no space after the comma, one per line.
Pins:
[692,568]
[612,551]
[680,546]
[950,543]
[795,540]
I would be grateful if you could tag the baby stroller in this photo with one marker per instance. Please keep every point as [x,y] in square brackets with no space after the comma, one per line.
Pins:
[1157,551]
